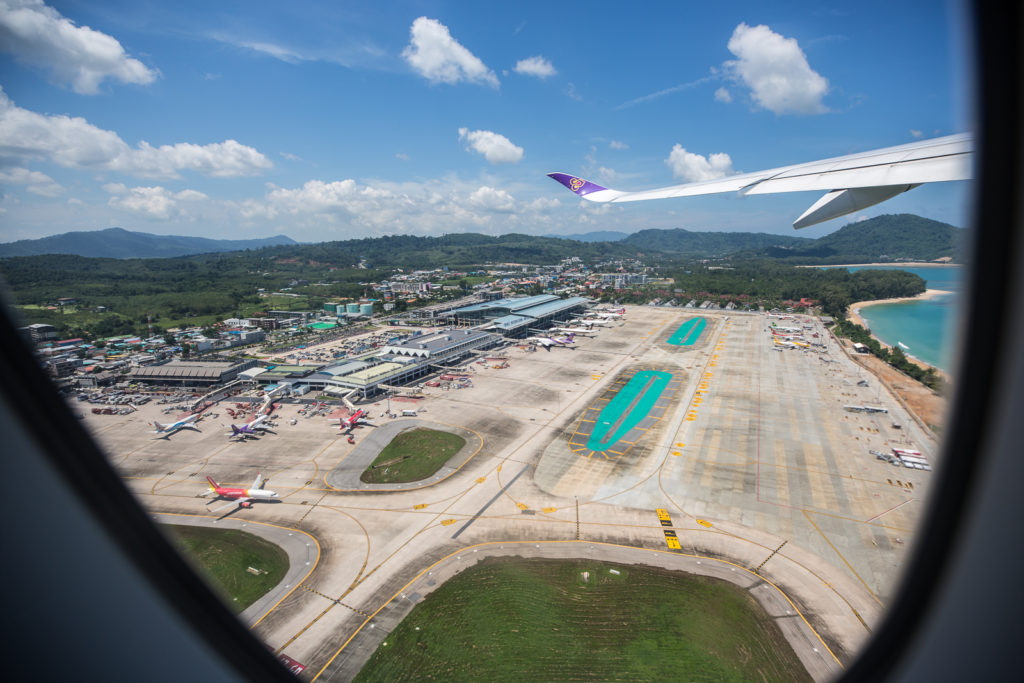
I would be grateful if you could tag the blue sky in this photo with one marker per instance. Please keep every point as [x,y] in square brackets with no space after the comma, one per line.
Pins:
[329,120]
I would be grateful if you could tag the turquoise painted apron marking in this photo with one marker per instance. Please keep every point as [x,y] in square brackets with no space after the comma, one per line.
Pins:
[630,405]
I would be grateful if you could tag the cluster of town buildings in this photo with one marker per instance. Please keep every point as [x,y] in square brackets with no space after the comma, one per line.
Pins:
[486,314]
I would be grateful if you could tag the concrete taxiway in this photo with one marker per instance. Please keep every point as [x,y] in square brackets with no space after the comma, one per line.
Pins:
[747,451]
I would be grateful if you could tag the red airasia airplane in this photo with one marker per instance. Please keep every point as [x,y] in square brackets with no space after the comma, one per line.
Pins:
[239,497]
[357,418]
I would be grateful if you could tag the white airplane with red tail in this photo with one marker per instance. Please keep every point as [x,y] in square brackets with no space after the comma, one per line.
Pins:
[240,497]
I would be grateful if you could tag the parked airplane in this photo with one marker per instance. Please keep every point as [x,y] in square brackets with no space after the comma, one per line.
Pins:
[548,342]
[589,322]
[167,430]
[239,497]
[851,182]
[610,314]
[357,418]
[574,330]
[251,428]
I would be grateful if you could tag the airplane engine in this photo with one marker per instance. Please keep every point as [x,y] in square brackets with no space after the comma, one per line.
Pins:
[246,504]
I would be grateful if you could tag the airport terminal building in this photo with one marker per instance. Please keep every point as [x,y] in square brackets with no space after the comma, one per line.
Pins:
[395,364]
[516,318]
[191,373]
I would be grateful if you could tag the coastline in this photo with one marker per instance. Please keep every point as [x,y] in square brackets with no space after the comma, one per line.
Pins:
[853,314]
[908,264]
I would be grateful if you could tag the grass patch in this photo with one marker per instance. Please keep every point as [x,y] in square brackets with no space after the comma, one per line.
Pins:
[530,619]
[412,456]
[224,556]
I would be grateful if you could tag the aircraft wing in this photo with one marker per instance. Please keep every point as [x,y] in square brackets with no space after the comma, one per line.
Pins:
[852,182]
[228,504]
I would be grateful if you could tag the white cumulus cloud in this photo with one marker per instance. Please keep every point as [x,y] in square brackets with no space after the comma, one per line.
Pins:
[535,66]
[615,144]
[494,147]
[151,202]
[190,196]
[73,142]
[776,71]
[723,95]
[382,207]
[76,55]
[492,199]
[440,58]
[694,167]
[34,181]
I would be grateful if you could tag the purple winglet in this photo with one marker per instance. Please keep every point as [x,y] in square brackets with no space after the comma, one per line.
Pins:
[580,186]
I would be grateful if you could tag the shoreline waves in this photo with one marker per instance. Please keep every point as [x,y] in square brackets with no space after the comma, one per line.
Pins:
[853,314]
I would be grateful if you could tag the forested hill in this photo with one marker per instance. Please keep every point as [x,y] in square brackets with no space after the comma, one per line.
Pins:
[455,250]
[885,238]
[710,244]
[598,236]
[891,237]
[120,243]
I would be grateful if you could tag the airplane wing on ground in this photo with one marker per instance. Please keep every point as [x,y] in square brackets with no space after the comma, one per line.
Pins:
[852,182]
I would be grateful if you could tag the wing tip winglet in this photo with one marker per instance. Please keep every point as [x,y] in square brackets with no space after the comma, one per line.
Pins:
[580,186]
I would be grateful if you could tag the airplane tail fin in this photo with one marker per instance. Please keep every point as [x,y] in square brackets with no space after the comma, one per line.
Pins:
[213,485]
[159,427]
[234,431]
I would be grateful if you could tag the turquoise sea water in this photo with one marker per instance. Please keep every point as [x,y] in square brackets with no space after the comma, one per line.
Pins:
[926,327]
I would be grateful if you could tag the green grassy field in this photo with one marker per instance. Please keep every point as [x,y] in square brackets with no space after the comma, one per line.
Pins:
[537,620]
[224,557]
[412,456]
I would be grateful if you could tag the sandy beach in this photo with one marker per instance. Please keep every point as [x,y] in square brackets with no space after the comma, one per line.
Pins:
[853,314]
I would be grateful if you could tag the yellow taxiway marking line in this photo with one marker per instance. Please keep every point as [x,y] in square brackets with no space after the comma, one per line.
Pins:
[841,557]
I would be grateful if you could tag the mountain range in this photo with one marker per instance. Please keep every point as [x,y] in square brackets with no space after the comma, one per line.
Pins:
[120,243]
[900,237]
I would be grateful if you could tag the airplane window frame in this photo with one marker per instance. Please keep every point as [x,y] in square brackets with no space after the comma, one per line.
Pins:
[992,293]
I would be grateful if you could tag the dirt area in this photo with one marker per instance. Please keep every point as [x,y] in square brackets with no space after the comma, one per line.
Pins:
[929,407]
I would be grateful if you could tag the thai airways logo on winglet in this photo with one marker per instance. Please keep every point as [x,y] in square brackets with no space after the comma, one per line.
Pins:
[580,186]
